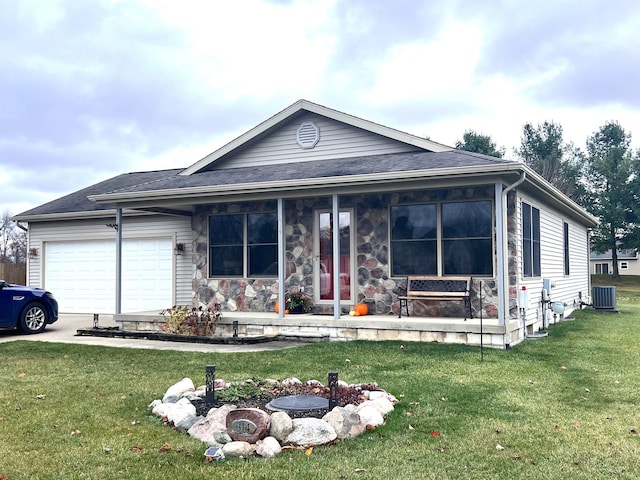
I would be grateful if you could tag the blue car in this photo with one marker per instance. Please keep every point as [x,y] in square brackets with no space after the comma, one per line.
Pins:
[29,309]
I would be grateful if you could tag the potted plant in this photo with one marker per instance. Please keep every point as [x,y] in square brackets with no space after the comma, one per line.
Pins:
[298,302]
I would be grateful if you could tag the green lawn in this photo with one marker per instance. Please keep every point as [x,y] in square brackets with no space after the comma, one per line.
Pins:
[563,407]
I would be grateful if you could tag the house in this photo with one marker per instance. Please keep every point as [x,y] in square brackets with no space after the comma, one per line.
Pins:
[602,263]
[271,207]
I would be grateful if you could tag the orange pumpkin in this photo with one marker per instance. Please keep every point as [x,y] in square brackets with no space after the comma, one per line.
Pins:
[361,309]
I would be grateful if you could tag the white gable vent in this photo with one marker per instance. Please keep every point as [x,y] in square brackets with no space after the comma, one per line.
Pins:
[308,135]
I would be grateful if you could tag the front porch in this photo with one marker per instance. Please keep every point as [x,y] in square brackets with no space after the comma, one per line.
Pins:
[313,328]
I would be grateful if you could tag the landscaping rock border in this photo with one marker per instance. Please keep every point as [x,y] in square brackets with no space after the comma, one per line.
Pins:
[238,431]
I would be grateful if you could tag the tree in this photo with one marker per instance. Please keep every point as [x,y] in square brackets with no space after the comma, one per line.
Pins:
[479,143]
[543,149]
[613,172]
[13,241]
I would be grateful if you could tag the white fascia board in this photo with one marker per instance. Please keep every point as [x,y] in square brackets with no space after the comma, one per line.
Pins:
[320,110]
[86,215]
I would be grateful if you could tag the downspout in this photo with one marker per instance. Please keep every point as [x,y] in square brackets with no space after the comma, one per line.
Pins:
[118,261]
[503,257]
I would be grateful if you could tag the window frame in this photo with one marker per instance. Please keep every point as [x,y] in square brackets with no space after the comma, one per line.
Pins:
[440,240]
[246,247]
[531,244]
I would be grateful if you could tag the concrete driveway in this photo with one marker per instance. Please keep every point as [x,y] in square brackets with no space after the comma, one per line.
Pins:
[64,331]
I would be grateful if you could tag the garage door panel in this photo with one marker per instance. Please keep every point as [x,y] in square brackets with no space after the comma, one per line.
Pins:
[82,274]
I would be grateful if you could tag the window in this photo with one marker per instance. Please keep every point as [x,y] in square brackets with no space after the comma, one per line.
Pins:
[234,253]
[456,235]
[602,269]
[414,240]
[624,265]
[530,240]
[566,248]
[466,238]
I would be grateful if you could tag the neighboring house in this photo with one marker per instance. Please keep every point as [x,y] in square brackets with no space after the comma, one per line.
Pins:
[271,207]
[602,263]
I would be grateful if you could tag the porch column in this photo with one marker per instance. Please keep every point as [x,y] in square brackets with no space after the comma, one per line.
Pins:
[118,261]
[502,280]
[336,257]
[281,256]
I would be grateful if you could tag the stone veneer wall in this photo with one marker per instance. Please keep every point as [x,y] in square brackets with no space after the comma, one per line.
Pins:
[375,286]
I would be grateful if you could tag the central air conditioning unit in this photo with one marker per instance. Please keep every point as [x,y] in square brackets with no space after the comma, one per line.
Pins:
[604,298]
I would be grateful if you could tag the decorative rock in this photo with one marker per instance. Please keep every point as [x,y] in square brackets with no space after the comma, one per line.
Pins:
[180,410]
[215,420]
[222,437]
[291,381]
[345,422]
[382,404]
[370,415]
[176,390]
[186,422]
[281,425]
[311,431]
[372,395]
[269,447]
[237,449]
[247,424]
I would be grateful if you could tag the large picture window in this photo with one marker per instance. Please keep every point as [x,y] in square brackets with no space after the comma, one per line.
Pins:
[466,238]
[414,240]
[530,240]
[243,245]
[453,238]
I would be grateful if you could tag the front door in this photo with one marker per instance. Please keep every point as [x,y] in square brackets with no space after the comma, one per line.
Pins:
[324,255]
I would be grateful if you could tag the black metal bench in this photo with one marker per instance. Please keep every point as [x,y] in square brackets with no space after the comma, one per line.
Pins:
[437,288]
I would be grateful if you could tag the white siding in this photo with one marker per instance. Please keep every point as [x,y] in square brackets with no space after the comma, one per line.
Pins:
[567,287]
[178,228]
[337,140]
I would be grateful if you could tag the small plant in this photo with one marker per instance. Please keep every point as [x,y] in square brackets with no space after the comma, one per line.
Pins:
[200,322]
[298,302]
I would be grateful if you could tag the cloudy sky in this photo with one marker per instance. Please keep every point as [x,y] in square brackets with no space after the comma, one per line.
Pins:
[93,88]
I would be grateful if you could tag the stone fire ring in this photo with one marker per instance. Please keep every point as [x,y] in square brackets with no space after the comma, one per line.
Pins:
[298,403]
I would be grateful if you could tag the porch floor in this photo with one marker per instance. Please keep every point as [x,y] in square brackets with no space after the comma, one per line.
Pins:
[314,327]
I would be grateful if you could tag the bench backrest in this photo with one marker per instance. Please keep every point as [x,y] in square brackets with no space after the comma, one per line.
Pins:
[433,286]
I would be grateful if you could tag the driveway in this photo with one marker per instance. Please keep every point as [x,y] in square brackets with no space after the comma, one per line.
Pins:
[64,331]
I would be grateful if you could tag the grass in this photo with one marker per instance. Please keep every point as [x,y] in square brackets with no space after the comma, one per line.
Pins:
[562,407]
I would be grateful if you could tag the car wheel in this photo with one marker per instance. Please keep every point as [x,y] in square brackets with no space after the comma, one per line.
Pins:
[33,319]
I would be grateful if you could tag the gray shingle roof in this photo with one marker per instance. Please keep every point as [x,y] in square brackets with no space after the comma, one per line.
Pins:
[388,163]
[140,182]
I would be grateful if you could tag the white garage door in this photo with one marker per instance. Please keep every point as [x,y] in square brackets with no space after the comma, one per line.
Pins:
[82,275]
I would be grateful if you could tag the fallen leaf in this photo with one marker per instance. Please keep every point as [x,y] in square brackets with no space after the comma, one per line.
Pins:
[165,448]
[516,457]
[75,432]
[21,375]
[135,422]
[308,451]
[123,397]
[107,450]
[633,431]
[556,427]
[576,425]
[409,414]
[411,427]
[435,434]
[587,390]
[562,367]
[359,470]
[137,448]
[499,447]
[414,403]
[40,396]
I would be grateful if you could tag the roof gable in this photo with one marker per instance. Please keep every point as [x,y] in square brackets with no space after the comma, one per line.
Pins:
[340,136]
